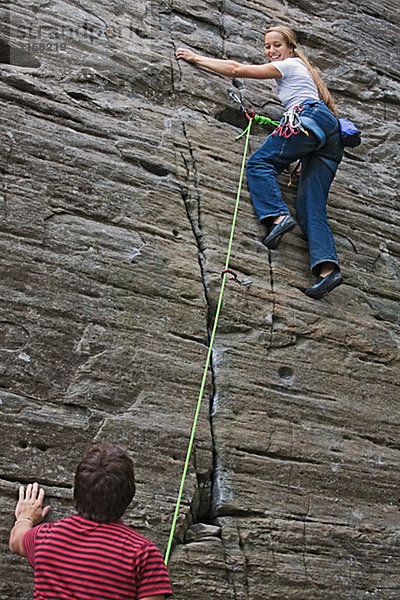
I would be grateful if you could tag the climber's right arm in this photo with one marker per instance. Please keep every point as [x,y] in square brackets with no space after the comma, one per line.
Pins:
[230,68]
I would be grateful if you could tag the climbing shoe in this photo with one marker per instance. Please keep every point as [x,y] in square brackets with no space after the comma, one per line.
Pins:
[324,285]
[275,235]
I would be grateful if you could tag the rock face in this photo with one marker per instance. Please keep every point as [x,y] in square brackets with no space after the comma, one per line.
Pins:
[119,171]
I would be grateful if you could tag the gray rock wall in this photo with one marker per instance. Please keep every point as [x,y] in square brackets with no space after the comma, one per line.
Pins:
[119,170]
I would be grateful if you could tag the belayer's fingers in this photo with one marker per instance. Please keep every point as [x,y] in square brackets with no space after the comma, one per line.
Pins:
[28,491]
[35,488]
[21,495]
[41,496]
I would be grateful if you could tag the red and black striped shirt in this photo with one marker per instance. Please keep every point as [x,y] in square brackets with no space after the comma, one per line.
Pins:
[84,560]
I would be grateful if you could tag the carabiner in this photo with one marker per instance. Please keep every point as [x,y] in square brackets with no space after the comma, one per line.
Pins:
[234,277]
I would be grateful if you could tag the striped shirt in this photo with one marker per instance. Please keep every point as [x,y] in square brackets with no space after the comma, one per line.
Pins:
[84,560]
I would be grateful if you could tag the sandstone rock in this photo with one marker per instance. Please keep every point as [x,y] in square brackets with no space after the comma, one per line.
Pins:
[201,532]
[119,171]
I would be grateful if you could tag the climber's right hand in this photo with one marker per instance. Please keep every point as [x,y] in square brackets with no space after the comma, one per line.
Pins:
[187,55]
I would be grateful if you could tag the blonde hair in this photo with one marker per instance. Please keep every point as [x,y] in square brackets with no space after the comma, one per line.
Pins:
[290,38]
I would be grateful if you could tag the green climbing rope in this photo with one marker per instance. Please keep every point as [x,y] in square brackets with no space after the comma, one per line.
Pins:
[260,120]
[209,353]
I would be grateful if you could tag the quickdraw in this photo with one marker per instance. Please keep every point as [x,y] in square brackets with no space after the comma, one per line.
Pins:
[250,114]
[236,98]
[290,123]
[234,277]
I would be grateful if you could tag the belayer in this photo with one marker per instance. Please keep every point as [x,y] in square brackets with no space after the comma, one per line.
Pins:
[91,554]
[309,131]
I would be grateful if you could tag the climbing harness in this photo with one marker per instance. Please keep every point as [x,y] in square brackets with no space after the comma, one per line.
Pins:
[224,276]
[289,124]
[293,122]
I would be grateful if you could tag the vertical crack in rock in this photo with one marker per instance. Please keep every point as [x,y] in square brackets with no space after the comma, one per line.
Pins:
[222,25]
[193,211]
[202,507]
[191,197]
[171,62]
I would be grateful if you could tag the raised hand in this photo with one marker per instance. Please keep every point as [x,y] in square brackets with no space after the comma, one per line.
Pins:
[30,504]
[187,55]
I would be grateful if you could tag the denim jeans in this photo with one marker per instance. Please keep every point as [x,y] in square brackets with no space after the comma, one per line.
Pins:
[318,168]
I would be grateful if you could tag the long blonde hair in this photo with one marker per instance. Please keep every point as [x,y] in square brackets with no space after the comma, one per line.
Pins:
[290,38]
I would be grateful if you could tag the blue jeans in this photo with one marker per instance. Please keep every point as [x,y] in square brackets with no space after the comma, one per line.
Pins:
[317,172]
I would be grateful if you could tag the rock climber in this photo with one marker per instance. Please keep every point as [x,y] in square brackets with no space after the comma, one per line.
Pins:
[91,554]
[309,131]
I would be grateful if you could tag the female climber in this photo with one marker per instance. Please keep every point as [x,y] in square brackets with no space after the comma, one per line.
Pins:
[308,131]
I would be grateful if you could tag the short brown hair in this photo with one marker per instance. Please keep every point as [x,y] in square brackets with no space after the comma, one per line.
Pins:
[104,483]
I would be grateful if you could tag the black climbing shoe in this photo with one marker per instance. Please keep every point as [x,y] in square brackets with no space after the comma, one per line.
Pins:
[324,285]
[275,235]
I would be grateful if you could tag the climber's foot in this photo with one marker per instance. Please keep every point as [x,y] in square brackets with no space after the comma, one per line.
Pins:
[324,285]
[275,235]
